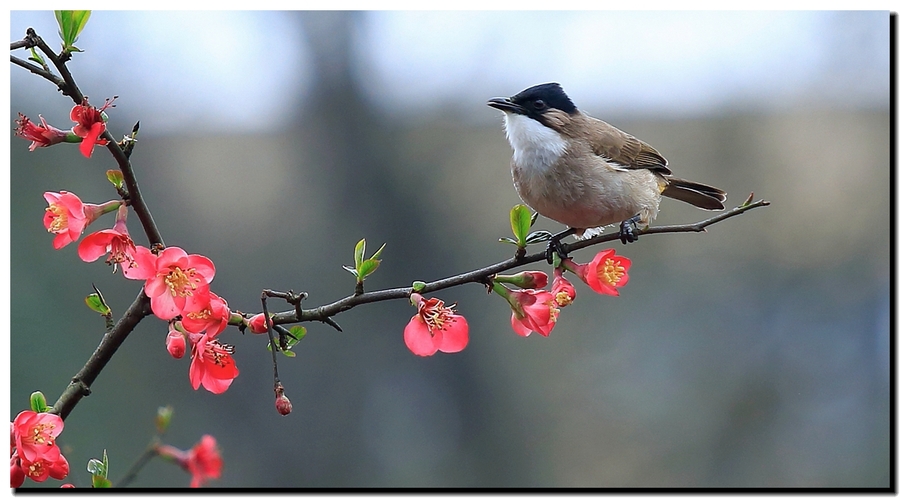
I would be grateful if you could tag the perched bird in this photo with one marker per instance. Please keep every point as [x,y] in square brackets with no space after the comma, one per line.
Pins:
[584,172]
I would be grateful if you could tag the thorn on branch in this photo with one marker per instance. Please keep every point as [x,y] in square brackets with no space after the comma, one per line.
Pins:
[331,322]
[283,334]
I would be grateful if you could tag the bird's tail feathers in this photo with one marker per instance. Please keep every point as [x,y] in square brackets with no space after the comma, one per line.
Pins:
[697,194]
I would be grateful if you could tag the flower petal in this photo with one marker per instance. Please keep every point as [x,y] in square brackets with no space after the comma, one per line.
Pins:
[456,335]
[144,265]
[164,305]
[418,339]
[519,327]
[95,245]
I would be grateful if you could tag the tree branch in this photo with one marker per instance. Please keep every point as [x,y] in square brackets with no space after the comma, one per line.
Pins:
[80,386]
[68,87]
[325,312]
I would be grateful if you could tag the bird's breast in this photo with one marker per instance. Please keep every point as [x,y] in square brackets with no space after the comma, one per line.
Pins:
[583,190]
[536,148]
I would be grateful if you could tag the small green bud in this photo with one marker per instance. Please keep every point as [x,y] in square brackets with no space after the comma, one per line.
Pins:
[38,402]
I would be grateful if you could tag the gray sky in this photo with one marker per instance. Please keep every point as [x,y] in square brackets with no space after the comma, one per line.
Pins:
[240,71]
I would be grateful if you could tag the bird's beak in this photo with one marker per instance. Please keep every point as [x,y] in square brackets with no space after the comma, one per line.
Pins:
[506,105]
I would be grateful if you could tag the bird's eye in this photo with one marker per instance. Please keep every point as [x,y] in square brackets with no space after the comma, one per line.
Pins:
[539,104]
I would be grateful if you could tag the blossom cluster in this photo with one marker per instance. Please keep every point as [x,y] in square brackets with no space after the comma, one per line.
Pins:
[437,327]
[90,123]
[33,450]
[176,282]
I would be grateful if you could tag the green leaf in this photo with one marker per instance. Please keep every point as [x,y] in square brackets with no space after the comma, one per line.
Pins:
[359,252]
[508,240]
[99,468]
[71,23]
[38,402]
[100,482]
[368,267]
[99,472]
[95,302]
[418,286]
[534,217]
[299,332]
[378,252]
[520,220]
[36,57]
[352,270]
[116,178]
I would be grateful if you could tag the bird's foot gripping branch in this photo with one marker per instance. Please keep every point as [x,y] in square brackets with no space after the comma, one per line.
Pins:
[176,286]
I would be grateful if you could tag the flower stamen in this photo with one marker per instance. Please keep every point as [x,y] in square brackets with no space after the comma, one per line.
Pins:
[181,283]
[611,272]
[60,221]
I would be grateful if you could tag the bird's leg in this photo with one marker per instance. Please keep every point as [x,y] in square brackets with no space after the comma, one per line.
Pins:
[555,246]
[628,229]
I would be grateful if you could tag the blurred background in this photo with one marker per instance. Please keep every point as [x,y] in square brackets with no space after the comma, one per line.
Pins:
[756,354]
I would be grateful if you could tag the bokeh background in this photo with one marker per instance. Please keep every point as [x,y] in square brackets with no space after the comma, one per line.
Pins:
[756,354]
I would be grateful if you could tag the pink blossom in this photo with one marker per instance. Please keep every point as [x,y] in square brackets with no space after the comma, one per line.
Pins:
[604,274]
[213,318]
[65,217]
[115,241]
[89,125]
[435,327]
[42,135]
[533,311]
[563,291]
[212,365]
[177,283]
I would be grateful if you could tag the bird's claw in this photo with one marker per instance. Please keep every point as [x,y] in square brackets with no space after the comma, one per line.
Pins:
[628,230]
[557,247]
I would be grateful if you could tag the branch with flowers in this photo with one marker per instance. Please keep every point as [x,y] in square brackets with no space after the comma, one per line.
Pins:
[176,285]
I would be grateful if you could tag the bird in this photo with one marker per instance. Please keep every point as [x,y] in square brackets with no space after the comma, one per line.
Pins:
[585,173]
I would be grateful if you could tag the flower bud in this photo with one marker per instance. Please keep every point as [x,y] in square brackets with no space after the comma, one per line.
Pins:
[524,279]
[175,344]
[257,324]
[283,404]
[533,280]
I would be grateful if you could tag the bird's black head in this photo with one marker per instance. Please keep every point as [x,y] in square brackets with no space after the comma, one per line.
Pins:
[539,98]
[535,101]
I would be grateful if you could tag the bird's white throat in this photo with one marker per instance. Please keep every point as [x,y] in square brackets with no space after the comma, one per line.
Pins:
[535,147]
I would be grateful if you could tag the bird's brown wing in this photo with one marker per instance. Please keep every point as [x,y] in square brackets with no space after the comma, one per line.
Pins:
[627,151]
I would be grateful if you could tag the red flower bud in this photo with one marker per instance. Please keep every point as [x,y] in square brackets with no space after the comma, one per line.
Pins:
[283,404]
[257,324]
[175,343]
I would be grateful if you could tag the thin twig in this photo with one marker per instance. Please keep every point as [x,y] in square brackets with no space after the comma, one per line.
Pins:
[68,86]
[325,312]
[38,70]
[269,326]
